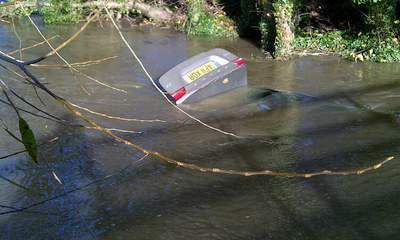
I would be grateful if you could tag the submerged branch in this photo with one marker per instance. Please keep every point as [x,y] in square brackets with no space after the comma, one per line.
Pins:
[219,170]
[23,209]
[78,64]
[32,46]
[15,183]
[115,117]
[22,151]
[61,46]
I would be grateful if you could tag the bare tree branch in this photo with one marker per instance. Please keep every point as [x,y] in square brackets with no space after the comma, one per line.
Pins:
[78,64]
[61,46]
[72,190]
[32,46]
[15,183]
[115,117]
[53,140]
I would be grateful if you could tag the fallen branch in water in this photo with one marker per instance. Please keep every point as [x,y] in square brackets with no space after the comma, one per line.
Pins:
[56,52]
[18,37]
[32,46]
[78,64]
[114,117]
[219,170]
[53,140]
[23,209]
[19,152]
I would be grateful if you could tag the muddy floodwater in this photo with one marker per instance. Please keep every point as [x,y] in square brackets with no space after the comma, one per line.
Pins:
[107,192]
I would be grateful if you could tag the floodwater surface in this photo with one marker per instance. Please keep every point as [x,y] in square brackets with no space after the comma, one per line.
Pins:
[109,192]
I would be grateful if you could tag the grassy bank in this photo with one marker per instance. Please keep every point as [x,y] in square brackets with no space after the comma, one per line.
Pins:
[360,47]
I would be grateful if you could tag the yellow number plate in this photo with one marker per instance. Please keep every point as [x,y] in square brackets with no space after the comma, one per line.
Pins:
[199,72]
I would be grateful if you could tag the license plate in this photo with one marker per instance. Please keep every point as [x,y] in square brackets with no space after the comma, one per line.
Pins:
[199,72]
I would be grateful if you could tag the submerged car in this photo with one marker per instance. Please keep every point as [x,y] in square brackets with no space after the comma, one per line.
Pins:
[218,79]
[203,76]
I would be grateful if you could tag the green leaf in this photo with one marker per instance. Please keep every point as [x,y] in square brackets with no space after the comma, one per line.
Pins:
[28,139]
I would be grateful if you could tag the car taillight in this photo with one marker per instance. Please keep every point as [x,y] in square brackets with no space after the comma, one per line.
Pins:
[179,94]
[239,61]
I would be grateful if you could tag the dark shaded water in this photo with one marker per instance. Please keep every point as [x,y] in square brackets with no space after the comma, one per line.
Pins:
[152,200]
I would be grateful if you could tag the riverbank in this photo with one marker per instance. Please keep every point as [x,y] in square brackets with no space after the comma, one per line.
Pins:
[363,47]
[356,30]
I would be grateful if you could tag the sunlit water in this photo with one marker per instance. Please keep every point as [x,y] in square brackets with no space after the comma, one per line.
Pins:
[150,199]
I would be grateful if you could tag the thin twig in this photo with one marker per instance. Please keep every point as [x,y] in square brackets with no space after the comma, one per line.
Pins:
[28,211]
[14,183]
[34,114]
[24,150]
[117,130]
[158,89]
[32,46]
[33,106]
[71,191]
[115,117]
[4,88]
[78,64]
[16,73]
[19,39]
[55,51]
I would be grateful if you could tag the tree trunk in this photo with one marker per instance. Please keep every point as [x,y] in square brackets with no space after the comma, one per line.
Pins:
[284,15]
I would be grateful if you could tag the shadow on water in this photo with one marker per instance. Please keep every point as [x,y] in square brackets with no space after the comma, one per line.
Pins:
[71,159]
[151,200]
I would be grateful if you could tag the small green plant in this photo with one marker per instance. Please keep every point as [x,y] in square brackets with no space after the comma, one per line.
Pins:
[321,42]
[62,11]
[203,21]
[13,11]
[360,47]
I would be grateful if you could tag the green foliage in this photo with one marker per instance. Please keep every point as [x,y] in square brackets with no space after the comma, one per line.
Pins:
[28,139]
[61,11]
[203,21]
[321,42]
[380,16]
[13,11]
[371,48]
[54,12]
[377,39]
[359,2]
[361,47]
